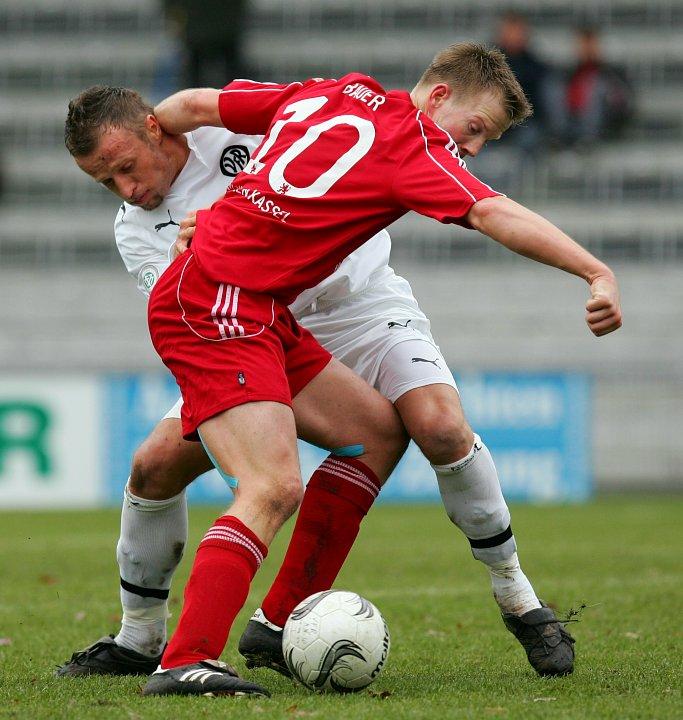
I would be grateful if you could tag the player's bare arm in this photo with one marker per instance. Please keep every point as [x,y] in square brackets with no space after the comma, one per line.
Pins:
[531,235]
[188,110]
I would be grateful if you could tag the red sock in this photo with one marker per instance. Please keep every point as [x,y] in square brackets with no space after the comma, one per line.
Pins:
[225,563]
[337,498]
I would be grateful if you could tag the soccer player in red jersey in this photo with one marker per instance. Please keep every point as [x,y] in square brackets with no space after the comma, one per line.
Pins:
[340,160]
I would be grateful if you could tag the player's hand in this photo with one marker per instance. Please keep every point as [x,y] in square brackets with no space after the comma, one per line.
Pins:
[603,310]
[185,234]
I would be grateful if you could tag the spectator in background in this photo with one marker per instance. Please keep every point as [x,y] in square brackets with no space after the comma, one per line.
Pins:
[598,103]
[212,32]
[533,75]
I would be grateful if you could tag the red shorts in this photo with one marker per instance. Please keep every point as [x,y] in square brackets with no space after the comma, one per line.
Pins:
[226,346]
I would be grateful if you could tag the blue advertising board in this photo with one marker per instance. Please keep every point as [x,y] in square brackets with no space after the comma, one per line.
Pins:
[537,426]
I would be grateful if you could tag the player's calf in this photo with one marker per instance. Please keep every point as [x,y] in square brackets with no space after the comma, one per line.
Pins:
[151,544]
[338,496]
[256,443]
[150,547]
[470,489]
[473,500]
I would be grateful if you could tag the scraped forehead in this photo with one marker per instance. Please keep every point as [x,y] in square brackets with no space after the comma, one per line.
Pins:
[114,145]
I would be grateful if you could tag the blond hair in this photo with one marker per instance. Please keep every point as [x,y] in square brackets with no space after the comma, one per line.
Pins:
[469,67]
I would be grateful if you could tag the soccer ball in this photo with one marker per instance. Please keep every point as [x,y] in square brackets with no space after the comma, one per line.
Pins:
[335,640]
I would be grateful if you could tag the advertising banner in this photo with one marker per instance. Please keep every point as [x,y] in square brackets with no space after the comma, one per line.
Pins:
[68,441]
[50,442]
[135,404]
[536,425]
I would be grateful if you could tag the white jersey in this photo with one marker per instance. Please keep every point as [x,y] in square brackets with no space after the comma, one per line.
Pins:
[145,238]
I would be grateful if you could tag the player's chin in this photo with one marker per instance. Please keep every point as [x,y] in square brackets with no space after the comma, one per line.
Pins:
[153,203]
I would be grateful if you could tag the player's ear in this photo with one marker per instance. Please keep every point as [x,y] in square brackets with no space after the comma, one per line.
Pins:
[153,128]
[439,94]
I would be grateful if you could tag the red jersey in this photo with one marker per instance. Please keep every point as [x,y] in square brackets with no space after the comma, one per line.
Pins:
[341,159]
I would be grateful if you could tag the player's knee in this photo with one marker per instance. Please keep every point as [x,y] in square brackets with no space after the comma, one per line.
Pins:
[390,435]
[384,440]
[153,475]
[284,497]
[443,437]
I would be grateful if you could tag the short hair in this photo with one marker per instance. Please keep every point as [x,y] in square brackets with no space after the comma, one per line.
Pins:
[101,107]
[469,67]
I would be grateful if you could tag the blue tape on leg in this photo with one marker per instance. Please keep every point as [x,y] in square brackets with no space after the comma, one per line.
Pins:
[231,481]
[349,451]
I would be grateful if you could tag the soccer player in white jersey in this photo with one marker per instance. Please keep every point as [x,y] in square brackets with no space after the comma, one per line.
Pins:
[470,141]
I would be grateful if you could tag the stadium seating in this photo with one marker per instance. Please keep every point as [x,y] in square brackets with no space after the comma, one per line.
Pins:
[53,48]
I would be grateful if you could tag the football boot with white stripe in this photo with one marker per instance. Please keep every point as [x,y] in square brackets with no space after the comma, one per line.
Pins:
[208,677]
[261,645]
[105,657]
[548,646]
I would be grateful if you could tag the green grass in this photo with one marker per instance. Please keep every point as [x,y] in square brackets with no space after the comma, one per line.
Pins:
[451,656]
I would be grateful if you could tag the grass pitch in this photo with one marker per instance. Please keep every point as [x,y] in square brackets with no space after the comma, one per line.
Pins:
[451,656]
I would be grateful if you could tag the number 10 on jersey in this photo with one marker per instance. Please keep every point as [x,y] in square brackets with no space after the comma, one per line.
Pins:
[298,112]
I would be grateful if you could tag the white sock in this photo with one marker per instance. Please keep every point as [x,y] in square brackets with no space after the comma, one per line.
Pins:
[258,616]
[144,629]
[511,588]
[474,501]
[152,541]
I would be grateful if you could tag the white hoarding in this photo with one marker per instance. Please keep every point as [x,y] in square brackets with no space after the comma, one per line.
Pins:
[50,442]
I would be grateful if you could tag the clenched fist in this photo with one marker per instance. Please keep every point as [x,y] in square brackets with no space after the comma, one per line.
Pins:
[603,310]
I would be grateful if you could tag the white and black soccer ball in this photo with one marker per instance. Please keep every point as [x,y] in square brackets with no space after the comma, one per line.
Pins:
[335,641]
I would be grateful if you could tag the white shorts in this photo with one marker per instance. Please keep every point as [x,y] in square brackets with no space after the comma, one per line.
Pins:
[380,333]
[174,412]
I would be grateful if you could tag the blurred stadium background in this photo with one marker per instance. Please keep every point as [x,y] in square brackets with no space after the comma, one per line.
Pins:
[73,325]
